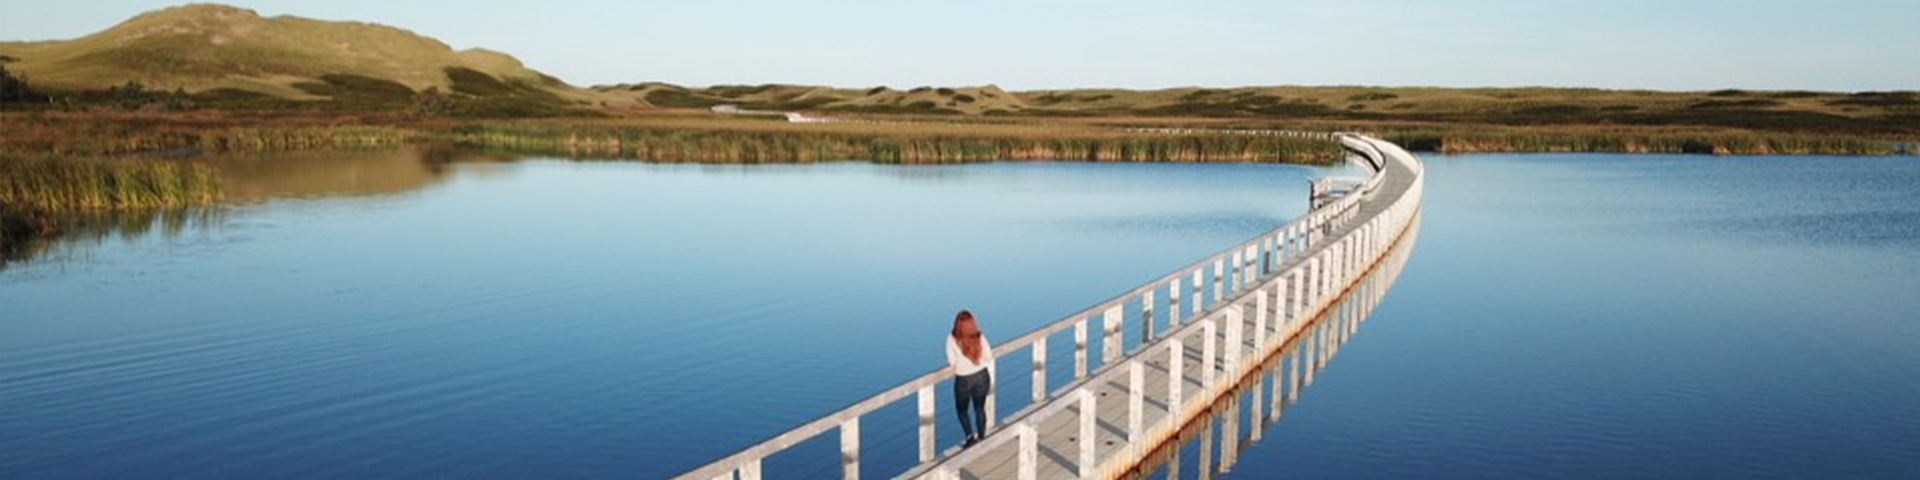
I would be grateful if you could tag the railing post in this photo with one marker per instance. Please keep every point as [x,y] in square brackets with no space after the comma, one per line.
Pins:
[1029,461]
[1146,316]
[1207,350]
[992,406]
[1173,303]
[1251,269]
[1297,241]
[1291,245]
[1176,373]
[1270,252]
[1198,273]
[1302,238]
[750,470]
[1297,287]
[1350,258]
[1219,272]
[1316,279]
[1233,274]
[1136,399]
[1080,349]
[1259,320]
[1039,370]
[926,424]
[850,449]
[1087,420]
[1344,269]
[1235,323]
[1112,323]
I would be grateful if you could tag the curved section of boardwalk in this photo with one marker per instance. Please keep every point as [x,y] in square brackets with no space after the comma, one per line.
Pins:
[1199,334]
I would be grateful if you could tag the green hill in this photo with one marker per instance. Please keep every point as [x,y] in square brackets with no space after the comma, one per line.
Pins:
[208,48]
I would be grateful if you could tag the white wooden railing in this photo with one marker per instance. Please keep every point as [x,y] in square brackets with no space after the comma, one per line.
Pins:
[1305,263]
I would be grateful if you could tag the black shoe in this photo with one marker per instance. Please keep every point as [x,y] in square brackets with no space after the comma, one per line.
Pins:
[970,441]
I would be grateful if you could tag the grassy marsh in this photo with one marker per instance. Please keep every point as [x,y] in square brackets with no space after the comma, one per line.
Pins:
[696,139]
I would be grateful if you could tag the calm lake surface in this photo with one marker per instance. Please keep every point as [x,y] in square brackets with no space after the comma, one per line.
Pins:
[406,314]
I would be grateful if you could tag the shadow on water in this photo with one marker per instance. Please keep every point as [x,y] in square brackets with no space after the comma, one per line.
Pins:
[246,179]
[1211,445]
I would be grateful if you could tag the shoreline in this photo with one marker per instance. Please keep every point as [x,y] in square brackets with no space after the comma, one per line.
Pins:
[706,137]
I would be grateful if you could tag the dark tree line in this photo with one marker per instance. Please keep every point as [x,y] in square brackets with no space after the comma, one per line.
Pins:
[15,89]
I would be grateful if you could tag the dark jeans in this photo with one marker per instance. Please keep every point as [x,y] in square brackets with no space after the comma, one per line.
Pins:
[972,390]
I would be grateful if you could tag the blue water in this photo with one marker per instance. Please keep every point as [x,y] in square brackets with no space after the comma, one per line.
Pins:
[1606,316]
[374,316]
[1563,316]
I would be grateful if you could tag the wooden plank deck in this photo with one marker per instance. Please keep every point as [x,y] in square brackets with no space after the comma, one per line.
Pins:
[1059,434]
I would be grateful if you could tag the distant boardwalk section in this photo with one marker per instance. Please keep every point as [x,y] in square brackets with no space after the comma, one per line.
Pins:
[1199,335]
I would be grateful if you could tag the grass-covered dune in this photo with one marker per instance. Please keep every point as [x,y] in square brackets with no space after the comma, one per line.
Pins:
[232,58]
[201,47]
[1853,113]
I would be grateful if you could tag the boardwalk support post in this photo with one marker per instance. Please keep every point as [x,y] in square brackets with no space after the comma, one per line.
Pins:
[1207,350]
[1087,421]
[1136,400]
[1176,373]
[1236,322]
[1259,320]
[1029,461]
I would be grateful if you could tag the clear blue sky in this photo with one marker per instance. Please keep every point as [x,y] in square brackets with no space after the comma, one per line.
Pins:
[1656,44]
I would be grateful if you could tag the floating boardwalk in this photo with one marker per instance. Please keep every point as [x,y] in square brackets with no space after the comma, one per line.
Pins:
[1206,336]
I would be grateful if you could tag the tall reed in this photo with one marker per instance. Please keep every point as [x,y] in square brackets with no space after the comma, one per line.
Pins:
[936,144]
[1637,140]
[75,184]
[97,134]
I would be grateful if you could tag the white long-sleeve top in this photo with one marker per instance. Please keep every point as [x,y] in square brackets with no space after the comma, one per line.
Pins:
[966,366]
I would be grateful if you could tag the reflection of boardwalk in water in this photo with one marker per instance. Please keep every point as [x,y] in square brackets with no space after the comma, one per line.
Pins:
[1258,401]
[1202,331]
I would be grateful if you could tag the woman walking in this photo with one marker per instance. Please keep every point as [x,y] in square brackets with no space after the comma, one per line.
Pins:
[971,357]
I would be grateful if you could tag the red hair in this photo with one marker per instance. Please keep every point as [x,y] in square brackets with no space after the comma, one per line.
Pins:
[966,333]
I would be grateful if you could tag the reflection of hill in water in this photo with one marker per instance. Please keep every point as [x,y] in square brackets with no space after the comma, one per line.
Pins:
[337,173]
[253,178]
